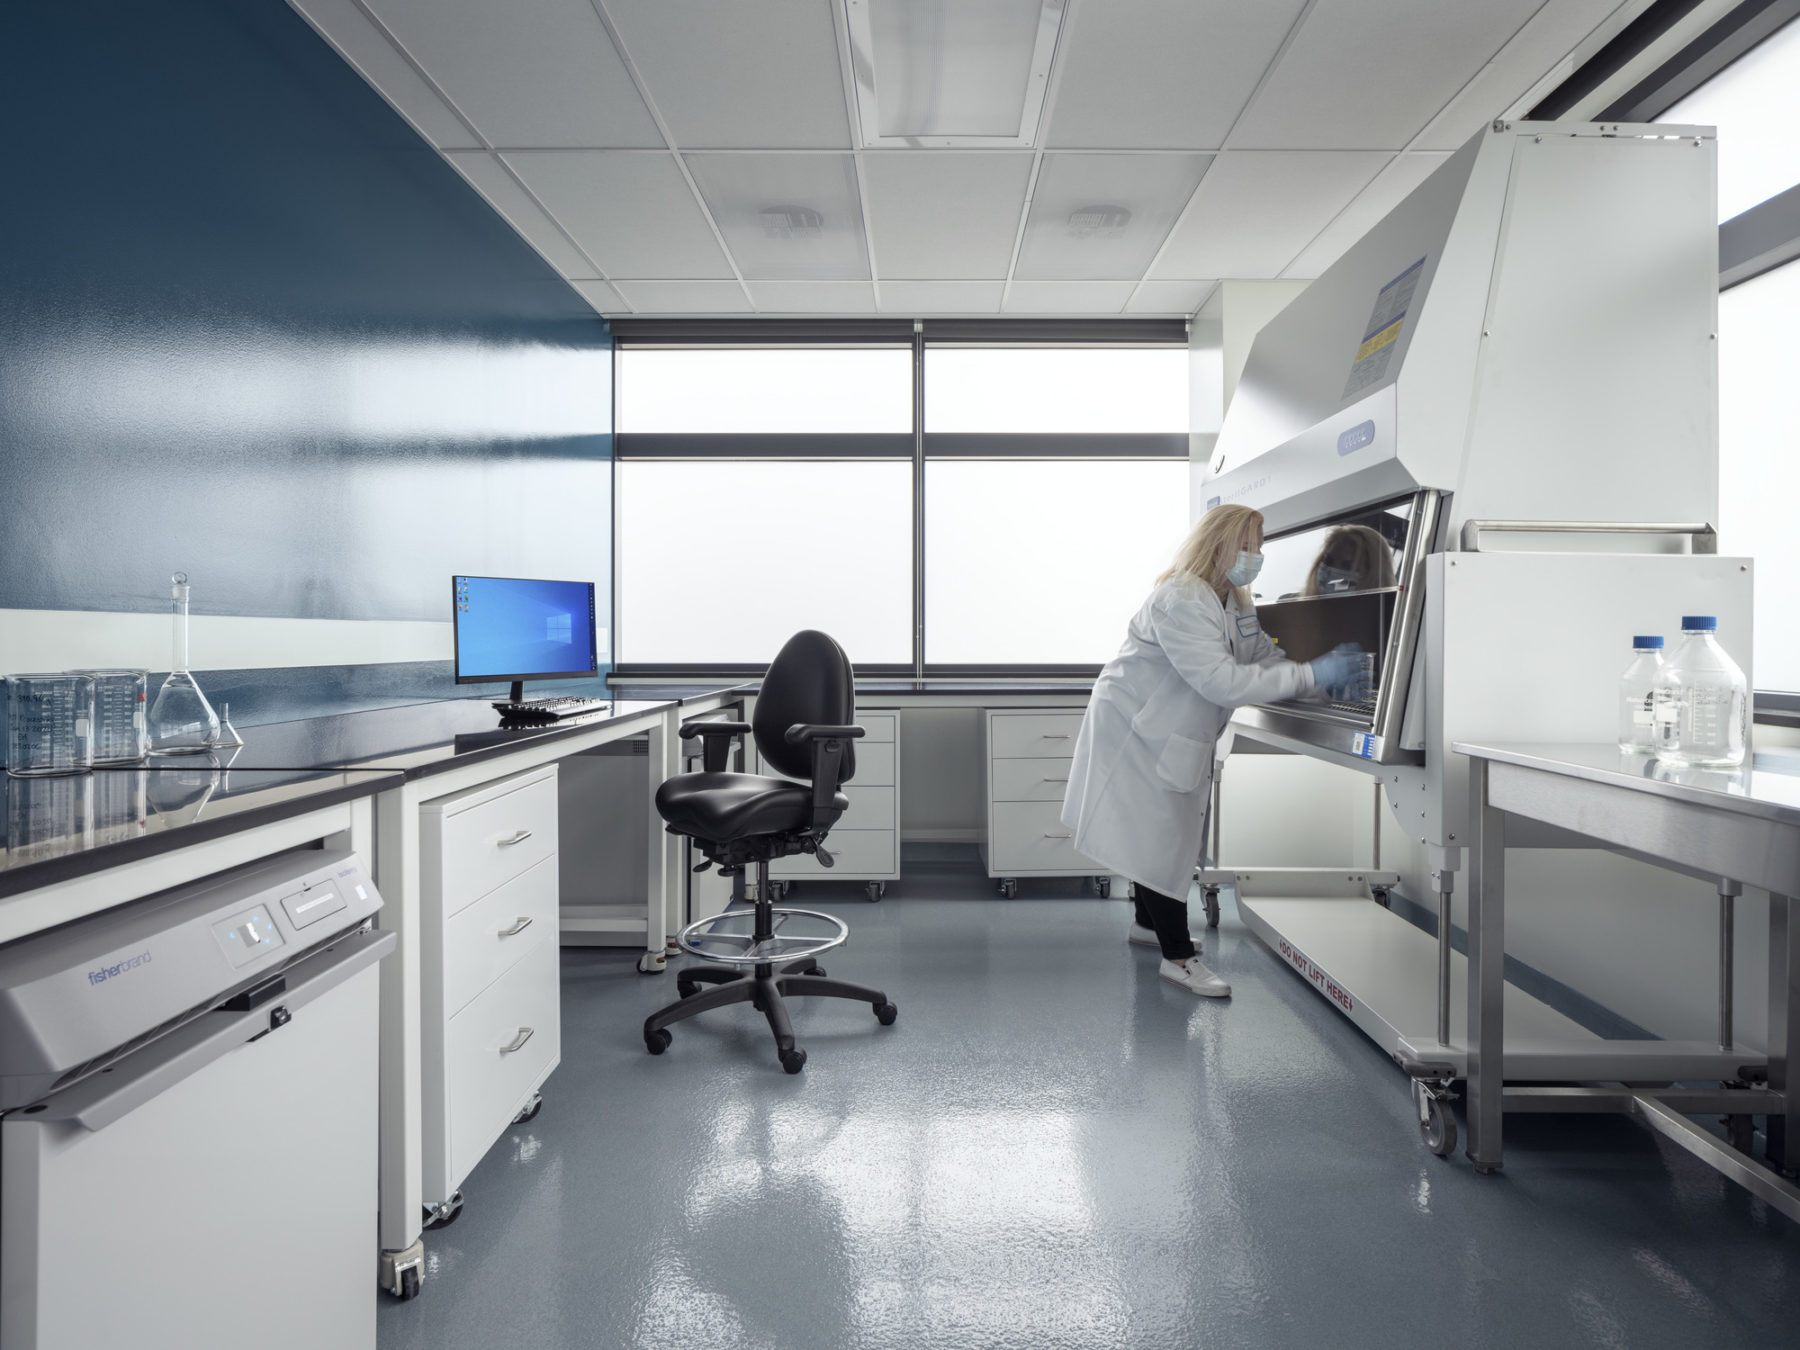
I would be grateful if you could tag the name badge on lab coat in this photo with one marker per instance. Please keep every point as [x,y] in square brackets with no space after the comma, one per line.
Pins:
[1248,626]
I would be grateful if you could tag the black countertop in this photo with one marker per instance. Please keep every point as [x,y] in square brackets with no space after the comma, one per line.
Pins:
[56,828]
[418,739]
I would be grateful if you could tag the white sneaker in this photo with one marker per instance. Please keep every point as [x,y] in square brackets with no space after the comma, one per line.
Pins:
[1194,977]
[1139,936]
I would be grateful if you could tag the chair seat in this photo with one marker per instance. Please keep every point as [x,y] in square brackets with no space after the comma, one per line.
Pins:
[725,806]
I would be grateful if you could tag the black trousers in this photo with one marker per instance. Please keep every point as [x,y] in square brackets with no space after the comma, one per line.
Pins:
[1168,917]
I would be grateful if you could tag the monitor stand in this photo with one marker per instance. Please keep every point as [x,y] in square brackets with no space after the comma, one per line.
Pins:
[518,692]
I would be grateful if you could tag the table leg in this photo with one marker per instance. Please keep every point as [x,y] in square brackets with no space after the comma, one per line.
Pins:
[665,763]
[402,1101]
[1784,1032]
[1487,974]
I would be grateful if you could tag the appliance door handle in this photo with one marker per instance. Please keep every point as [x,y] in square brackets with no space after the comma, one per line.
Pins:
[518,838]
[1056,780]
[1059,836]
[1056,736]
[518,1042]
[519,927]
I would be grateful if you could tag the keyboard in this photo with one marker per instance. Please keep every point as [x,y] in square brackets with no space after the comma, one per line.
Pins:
[549,709]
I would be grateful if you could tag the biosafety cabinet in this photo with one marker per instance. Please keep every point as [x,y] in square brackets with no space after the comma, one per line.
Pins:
[1485,446]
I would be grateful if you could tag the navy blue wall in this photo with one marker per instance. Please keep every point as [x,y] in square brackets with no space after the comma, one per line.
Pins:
[253,328]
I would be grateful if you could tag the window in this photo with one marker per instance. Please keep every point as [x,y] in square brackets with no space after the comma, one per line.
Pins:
[1044,561]
[1759,479]
[800,391]
[1057,390]
[1755,104]
[720,561]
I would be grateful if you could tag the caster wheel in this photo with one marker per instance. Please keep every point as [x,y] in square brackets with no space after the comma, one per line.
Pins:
[1379,894]
[530,1113]
[778,891]
[1131,890]
[652,963]
[686,988]
[1010,888]
[445,1214]
[409,1284]
[793,1060]
[1210,898]
[1437,1125]
[816,970]
[875,890]
[657,1041]
[885,1013]
[1104,886]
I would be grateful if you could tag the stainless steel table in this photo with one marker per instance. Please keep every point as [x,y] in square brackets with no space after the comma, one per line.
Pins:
[1738,828]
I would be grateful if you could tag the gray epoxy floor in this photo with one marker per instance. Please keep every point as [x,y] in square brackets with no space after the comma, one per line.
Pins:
[1054,1148]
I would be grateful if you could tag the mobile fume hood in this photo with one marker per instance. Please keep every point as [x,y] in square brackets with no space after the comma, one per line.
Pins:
[1485,446]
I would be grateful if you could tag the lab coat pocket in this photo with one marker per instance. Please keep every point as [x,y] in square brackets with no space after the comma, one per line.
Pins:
[1183,762]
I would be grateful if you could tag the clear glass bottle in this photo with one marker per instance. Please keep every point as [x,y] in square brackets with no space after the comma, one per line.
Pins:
[1637,697]
[1702,700]
[182,722]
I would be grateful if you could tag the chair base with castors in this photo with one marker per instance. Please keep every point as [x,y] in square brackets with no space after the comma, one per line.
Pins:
[765,967]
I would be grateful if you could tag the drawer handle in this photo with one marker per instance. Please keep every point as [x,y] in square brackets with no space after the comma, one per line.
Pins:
[518,838]
[519,927]
[1059,836]
[1056,780]
[1059,736]
[518,1041]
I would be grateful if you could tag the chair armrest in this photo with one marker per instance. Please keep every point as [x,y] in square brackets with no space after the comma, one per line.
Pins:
[719,736]
[807,731]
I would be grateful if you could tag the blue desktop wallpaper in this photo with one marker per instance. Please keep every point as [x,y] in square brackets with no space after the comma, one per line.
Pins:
[509,627]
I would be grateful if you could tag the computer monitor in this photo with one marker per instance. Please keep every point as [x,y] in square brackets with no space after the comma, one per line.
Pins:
[518,629]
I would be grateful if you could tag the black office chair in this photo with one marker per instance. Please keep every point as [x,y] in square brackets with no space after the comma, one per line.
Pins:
[801,726]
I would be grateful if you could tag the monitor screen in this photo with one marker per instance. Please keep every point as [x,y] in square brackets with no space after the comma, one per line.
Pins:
[510,628]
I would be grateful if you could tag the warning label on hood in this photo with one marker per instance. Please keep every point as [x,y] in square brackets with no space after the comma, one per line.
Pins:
[1382,332]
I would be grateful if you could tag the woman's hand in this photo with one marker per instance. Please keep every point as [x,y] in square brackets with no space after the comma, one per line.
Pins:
[1340,673]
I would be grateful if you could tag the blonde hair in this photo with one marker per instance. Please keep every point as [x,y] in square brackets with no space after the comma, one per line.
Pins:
[1367,557]
[1213,545]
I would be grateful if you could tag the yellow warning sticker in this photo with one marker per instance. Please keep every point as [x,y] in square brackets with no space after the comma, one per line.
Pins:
[1373,344]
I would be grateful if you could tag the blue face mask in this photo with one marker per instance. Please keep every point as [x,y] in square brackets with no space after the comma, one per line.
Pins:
[1244,570]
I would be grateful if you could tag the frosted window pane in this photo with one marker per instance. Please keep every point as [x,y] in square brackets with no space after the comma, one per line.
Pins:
[723,562]
[1759,472]
[1058,390]
[1042,561]
[1755,104]
[768,389]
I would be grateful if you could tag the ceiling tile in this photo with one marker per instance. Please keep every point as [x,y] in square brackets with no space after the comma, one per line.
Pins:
[632,213]
[601,296]
[492,181]
[1388,190]
[1369,74]
[786,217]
[1257,209]
[1554,33]
[813,297]
[1170,297]
[945,214]
[685,297]
[725,74]
[1162,74]
[1104,216]
[1067,297]
[527,72]
[376,59]
[941,297]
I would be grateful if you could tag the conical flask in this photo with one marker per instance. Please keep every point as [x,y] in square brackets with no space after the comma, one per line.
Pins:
[228,734]
[182,722]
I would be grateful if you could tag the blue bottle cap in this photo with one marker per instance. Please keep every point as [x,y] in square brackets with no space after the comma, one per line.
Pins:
[1704,623]
[1641,643]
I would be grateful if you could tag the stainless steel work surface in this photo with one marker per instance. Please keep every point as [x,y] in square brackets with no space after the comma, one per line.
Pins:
[1766,786]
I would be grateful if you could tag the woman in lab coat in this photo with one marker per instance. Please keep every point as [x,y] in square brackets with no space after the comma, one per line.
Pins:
[1142,774]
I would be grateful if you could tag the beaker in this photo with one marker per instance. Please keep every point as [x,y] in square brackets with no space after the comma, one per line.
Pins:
[49,724]
[121,715]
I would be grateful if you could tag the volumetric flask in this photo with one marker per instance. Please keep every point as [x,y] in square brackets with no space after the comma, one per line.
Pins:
[49,724]
[121,722]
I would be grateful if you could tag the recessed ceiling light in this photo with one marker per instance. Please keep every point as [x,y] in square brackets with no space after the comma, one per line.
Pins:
[952,73]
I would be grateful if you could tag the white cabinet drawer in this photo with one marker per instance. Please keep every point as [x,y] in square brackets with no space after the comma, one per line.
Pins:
[853,851]
[503,830]
[871,808]
[1030,780]
[483,940]
[487,1082]
[1030,837]
[877,727]
[1034,735]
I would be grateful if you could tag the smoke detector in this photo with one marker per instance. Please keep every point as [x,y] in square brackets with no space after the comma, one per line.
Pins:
[1098,222]
[791,222]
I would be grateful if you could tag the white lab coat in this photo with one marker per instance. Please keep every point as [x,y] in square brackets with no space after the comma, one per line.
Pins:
[1143,767]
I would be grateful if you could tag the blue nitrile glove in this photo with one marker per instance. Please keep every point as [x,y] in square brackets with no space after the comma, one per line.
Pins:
[1339,673]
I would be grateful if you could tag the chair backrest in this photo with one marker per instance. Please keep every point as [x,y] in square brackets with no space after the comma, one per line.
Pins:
[809,680]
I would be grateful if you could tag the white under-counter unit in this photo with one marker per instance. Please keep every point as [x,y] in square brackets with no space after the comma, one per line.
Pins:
[1025,764]
[865,843]
[491,1017]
